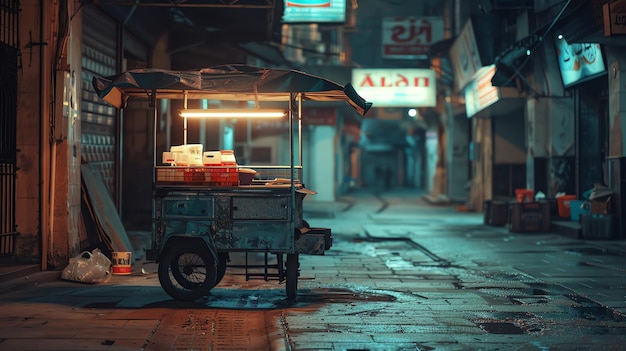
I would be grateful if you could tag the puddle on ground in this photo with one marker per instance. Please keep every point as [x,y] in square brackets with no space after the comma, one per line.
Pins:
[342,296]
[501,328]
[592,251]
[588,309]
[580,308]
[269,299]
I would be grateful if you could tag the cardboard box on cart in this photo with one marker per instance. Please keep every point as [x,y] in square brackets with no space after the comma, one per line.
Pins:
[601,205]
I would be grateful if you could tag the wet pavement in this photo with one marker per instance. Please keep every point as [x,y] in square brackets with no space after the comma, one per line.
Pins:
[402,274]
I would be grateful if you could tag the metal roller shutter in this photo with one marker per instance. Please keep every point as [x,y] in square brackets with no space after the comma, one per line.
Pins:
[99,57]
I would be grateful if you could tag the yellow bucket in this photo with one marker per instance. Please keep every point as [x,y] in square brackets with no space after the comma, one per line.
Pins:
[120,263]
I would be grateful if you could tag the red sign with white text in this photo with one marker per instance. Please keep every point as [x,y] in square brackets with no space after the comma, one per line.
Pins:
[410,37]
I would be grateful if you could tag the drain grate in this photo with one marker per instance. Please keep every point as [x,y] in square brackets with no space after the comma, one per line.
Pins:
[212,330]
[234,332]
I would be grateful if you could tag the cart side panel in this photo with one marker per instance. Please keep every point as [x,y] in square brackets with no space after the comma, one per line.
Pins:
[188,227]
[261,222]
[269,207]
[269,236]
[181,213]
[188,206]
[236,219]
[223,226]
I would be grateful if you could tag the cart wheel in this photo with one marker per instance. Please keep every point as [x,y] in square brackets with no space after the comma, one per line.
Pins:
[221,266]
[187,271]
[291,284]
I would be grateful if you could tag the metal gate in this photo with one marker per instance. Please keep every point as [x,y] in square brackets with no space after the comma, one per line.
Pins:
[98,133]
[9,10]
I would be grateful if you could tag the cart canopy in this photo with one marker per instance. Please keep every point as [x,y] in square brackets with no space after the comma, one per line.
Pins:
[226,82]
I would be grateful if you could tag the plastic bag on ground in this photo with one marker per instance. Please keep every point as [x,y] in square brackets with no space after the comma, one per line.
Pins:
[88,267]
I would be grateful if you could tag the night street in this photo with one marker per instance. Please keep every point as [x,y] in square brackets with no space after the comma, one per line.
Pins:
[402,274]
[312,175]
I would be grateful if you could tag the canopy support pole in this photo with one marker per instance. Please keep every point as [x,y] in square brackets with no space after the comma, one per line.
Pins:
[300,129]
[185,118]
[154,132]
[292,102]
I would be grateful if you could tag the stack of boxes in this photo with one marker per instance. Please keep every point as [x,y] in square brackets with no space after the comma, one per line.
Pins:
[194,167]
[220,168]
[527,214]
[524,214]
[180,156]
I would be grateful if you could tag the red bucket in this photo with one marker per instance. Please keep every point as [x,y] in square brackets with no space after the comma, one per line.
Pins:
[564,204]
[525,195]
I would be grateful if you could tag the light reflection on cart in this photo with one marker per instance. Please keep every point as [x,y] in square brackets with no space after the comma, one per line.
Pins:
[198,221]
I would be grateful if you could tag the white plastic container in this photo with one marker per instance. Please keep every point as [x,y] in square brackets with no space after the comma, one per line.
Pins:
[169,158]
[212,158]
[228,158]
[181,159]
[193,154]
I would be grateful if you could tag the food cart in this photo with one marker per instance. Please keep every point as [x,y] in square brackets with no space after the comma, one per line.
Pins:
[201,213]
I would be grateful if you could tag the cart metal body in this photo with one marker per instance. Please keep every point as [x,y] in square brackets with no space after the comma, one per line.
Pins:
[198,222]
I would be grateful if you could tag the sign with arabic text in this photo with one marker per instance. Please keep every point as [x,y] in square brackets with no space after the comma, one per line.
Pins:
[579,62]
[410,37]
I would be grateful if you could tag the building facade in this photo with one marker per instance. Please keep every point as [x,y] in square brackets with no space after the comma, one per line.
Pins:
[504,117]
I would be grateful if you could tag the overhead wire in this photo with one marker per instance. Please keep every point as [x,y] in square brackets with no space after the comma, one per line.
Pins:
[539,41]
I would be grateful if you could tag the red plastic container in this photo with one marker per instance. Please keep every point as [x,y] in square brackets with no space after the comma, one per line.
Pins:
[525,195]
[563,203]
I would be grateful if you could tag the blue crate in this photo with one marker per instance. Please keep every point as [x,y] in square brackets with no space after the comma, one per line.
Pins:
[577,208]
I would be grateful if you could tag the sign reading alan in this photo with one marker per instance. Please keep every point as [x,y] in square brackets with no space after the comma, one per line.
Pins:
[396,87]
[410,37]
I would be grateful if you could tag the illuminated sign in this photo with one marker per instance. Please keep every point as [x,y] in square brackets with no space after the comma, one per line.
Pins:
[579,62]
[314,11]
[479,93]
[308,3]
[410,37]
[464,56]
[396,87]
